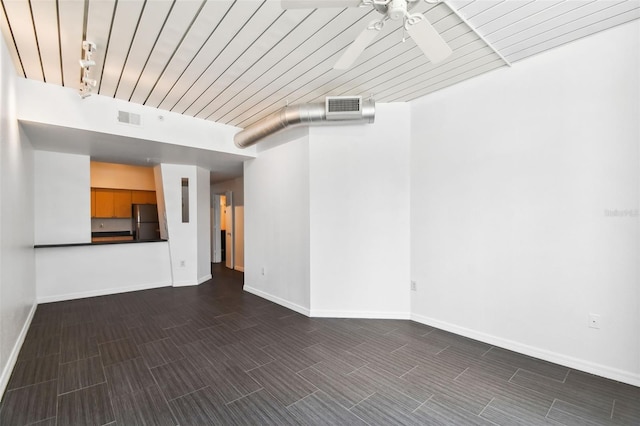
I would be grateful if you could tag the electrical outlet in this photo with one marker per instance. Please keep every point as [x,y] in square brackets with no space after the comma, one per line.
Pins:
[182,263]
[414,286]
[594,321]
[262,271]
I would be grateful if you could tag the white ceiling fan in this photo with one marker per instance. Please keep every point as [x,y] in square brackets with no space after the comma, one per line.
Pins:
[421,31]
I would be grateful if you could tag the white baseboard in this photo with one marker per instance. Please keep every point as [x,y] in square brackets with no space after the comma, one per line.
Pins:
[326,313]
[204,278]
[275,299]
[101,292]
[187,283]
[239,268]
[319,313]
[567,361]
[13,356]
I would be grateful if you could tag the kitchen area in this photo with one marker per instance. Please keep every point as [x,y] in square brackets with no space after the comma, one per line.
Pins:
[106,227]
[123,203]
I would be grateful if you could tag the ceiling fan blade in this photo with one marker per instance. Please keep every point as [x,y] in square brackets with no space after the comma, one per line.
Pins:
[356,48]
[429,41]
[313,4]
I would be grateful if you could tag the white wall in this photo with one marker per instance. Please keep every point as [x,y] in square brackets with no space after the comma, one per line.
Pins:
[327,217]
[512,175]
[204,224]
[238,236]
[65,273]
[62,198]
[182,236]
[359,211]
[276,224]
[186,242]
[17,276]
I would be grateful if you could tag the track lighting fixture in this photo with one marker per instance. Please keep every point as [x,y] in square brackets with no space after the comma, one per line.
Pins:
[87,84]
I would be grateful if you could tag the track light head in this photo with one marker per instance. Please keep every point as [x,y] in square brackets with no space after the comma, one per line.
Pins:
[89,46]
[89,82]
[86,63]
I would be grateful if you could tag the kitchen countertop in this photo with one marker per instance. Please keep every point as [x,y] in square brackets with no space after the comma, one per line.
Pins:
[98,243]
[111,234]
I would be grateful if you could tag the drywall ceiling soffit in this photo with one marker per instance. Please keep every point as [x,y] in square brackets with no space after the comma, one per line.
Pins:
[126,150]
[235,62]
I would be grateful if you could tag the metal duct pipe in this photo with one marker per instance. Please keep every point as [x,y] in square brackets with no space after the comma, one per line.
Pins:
[305,114]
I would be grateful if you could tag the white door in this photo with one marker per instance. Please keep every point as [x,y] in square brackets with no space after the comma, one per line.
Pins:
[216,249]
[229,247]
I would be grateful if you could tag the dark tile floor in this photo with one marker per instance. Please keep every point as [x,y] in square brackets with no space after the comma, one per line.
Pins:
[213,354]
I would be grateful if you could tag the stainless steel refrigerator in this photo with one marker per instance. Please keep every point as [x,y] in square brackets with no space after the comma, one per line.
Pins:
[145,223]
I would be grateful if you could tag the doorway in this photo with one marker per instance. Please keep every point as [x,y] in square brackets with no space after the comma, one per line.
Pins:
[222,238]
[216,238]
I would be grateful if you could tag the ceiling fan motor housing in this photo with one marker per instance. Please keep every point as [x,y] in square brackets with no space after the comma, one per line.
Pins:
[397,9]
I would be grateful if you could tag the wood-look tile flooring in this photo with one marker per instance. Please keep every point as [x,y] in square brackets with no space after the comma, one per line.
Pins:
[214,354]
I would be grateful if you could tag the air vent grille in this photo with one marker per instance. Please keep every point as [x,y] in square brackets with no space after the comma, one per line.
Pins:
[125,117]
[343,107]
[343,104]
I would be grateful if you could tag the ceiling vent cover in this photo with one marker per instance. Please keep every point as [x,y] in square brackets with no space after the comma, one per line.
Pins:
[125,117]
[343,107]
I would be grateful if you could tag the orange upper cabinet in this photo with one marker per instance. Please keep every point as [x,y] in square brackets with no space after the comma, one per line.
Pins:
[151,197]
[104,203]
[93,202]
[143,197]
[115,187]
[121,203]
[112,203]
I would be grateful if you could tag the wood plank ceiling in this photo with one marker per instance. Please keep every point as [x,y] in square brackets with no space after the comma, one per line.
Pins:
[235,61]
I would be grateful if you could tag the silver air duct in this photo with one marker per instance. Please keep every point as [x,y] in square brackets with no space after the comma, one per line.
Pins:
[346,109]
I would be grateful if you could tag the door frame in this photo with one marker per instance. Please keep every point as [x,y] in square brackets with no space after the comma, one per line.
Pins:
[216,243]
[230,231]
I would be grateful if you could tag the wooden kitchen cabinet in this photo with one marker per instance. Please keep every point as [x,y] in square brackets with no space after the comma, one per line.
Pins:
[116,203]
[143,197]
[121,203]
[112,203]
[93,202]
[104,202]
